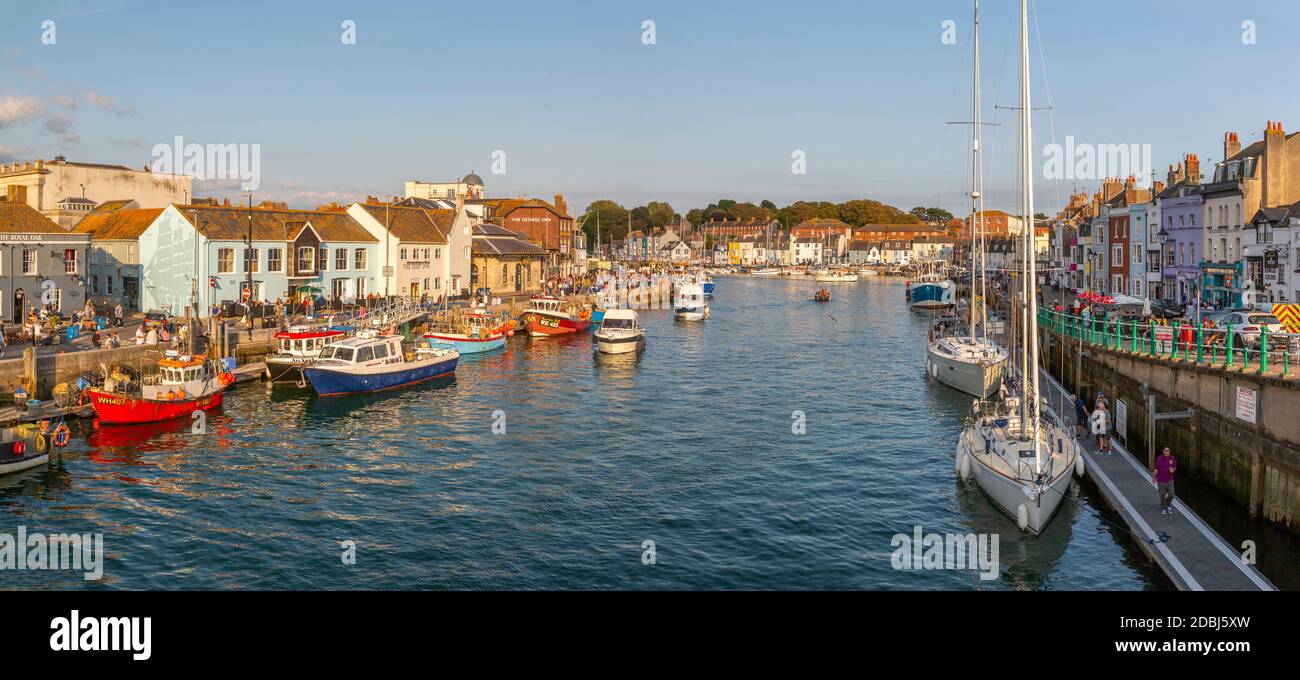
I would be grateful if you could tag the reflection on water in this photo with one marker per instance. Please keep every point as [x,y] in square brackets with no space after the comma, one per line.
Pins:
[688,443]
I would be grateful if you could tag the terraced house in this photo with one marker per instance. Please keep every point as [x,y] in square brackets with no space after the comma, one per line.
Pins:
[114,270]
[196,256]
[421,251]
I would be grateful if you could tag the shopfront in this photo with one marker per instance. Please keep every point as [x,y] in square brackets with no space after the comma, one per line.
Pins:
[1221,284]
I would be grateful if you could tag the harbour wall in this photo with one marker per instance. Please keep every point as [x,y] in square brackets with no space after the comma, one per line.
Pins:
[1257,464]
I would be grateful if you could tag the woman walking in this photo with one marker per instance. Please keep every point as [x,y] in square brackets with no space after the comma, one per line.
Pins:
[1101,427]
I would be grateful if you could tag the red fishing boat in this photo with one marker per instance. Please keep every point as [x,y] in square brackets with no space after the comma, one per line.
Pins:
[184,384]
[549,316]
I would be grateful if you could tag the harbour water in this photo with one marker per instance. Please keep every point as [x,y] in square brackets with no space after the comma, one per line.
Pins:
[546,466]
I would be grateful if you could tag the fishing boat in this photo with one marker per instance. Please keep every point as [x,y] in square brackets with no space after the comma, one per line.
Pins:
[960,353]
[831,276]
[184,384]
[620,333]
[24,447]
[472,332]
[931,291]
[1022,461]
[370,362]
[822,295]
[547,316]
[766,271]
[296,347]
[691,305]
[707,282]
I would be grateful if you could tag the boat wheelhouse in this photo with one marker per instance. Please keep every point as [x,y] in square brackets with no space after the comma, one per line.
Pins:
[471,333]
[552,316]
[691,304]
[296,347]
[620,333]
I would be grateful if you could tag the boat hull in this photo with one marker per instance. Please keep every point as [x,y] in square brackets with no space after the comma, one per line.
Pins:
[279,371]
[330,382]
[540,326]
[465,344]
[976,378]
[620,345]
[1011,495]
[119,409]
[691,313]
[930,296]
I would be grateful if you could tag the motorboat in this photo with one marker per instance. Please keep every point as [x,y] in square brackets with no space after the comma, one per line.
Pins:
[370,362]
[620,333]
[690,303]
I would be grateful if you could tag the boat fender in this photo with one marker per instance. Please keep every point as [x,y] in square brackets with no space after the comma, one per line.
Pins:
[965,467]
[1022,516]
[1078,465]
[62,435]
[42,444]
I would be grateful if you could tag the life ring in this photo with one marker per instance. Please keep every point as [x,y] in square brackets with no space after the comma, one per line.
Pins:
[62,435]
[42,444]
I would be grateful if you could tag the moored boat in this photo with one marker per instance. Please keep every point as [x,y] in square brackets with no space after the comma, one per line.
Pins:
[691,305]
[184,384]
[828,276]
[24,447]
[620,333]
[370,362]
[296,347]
[822,295]
[548,316]
[471,333]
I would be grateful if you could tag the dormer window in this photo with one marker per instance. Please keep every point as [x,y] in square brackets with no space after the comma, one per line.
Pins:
[306,259]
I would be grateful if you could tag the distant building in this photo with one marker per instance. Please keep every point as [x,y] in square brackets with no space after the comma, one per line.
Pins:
[470,187]
[114,267]
[422,252]
[727,229]
[505,261]
[65,191]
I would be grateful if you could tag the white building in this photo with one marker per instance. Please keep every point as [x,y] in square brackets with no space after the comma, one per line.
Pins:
[807,250]
[470,186]
[65,191]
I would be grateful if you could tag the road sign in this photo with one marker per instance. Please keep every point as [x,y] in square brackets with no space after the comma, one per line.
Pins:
[248,293]
[212,282]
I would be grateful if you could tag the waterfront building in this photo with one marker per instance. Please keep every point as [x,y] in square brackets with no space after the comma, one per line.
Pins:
[1272,253]
[422,252]
[65,191]
[728,229]
[834,234]
[896,232]
[993,224]
[506,261]
[195,256]
[40,263]
[896,251]
[864,252]
[933,248]
[1182,216]
[807,250]
[1126,253]
[470,187]
[546,224]
[114,271]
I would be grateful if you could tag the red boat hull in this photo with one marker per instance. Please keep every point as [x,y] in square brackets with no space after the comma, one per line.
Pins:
[117,409]
[539,324]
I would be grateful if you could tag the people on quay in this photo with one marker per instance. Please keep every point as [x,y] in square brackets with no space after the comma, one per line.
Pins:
[1162,475]
[117,315]
[1081,415]
[139,335]
[1101,427]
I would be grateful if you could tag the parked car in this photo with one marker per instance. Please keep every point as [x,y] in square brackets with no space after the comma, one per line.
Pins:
[156,318]
[1248,326]
[482,292]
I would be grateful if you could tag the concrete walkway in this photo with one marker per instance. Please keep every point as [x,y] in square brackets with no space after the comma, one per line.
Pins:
[1182,544]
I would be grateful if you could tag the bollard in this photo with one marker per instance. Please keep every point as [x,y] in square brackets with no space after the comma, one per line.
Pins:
[1229,344]
[1173,343]
[1263,349]
[1200,343]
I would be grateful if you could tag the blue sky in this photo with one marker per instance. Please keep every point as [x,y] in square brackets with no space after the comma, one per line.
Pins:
[579,105]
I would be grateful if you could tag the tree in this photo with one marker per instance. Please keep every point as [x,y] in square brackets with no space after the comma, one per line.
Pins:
[612,220]
[931,215]
[661,213]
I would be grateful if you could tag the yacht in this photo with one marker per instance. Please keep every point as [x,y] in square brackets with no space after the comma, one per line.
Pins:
[691,304]
[620,333]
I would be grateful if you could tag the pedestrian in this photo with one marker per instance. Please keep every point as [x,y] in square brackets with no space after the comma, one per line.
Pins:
[1101,427]
[117,315]
[1101,397]
[1080,415]
[1162,475]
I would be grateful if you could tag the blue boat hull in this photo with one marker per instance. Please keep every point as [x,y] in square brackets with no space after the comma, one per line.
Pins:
[597,316]
[929,295]
[467,346]
[328,382]
[708,288]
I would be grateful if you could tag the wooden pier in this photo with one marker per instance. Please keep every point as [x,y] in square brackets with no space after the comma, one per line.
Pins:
[1189,552]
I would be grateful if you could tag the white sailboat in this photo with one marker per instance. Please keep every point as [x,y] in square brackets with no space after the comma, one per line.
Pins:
[972,363]
[1022,461]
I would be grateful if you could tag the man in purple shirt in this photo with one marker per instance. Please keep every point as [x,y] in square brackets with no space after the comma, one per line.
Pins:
[1163,477]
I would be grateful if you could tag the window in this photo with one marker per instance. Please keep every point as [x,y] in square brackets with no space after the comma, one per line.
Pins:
[324,258]
[437,283]
[251,260]
[1137,253]
[401,254]
[1117,256]
[359,258]
[275,260]
[69,261]
[96,255]
[108,282]
[437,253]
[29,261]
[340,258]
[306,259]
[225,260]
[94,285]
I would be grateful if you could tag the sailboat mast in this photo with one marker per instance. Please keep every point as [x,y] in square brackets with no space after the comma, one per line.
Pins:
[975,192]
[1031,276]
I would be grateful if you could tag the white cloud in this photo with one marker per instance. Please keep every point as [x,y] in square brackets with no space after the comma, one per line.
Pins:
[65,101]
[107,103]
[11,153]
[20,109]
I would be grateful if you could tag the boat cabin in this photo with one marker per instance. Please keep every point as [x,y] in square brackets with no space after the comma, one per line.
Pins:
[546,304]
[620,319]
[367,348]
[304,341]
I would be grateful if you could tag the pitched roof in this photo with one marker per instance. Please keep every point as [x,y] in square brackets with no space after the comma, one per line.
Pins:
[20,218]
[493,239]
[413,225]
[229,223]
[117,225]
[508,206]
[115,204]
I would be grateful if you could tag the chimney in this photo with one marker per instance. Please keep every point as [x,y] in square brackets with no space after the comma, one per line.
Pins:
[225,202]
[1110,188]
[1158,187]
[560,205]
[1193,170]
[1231,145]
[460,202]
[1274,184]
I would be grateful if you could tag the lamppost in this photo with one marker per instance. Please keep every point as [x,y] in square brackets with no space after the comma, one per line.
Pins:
[247,269]
[1163,237]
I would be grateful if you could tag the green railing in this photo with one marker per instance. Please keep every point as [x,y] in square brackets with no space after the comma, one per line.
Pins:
[1174,341]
